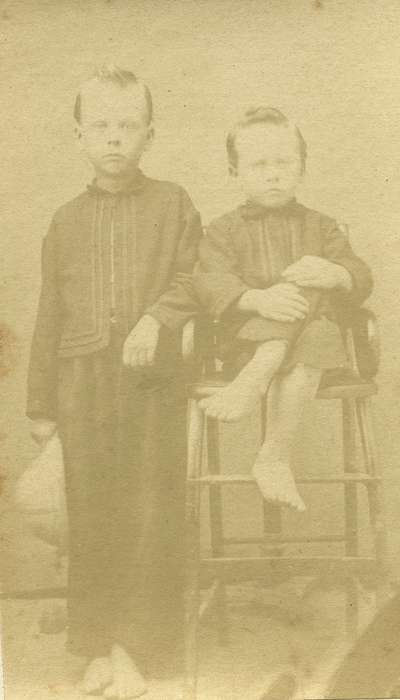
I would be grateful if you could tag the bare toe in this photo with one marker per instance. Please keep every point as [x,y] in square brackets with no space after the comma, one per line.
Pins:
[97,675]
[276,483]
[124,691]
[127,679]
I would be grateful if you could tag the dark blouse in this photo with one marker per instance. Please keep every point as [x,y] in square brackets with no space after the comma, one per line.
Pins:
[107,260]
[250,247]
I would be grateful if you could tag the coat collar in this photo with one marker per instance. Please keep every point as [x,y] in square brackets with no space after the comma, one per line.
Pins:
[135,184]
[252,210]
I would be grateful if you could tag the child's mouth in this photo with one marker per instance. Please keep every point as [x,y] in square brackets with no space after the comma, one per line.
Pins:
[113,156]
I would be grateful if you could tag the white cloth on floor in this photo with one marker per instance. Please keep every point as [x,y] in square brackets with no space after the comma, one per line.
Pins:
[40,495]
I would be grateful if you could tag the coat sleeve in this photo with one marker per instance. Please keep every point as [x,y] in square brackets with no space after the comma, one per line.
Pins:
[338,249]
[178,303]
[42,372]
[217,278]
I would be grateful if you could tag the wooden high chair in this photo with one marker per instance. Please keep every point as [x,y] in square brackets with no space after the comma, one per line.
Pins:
[353,389]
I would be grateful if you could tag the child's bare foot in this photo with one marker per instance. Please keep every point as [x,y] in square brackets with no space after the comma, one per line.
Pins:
[97,675]
[233,402]
[240,396]
[127,681]
[276,483]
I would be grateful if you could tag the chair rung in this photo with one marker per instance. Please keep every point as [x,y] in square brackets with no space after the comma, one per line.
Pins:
[271,540]
[351,390]
[34,594]
[348,391]
[236,569]
[248,479]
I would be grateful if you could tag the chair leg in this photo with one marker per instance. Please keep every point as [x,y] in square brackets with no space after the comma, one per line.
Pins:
[350,515]
[375,498]
[217,526]
[192,568]
[272,513]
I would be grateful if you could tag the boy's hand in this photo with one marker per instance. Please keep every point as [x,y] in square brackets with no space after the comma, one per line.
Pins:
[312,271]
[281,302]
[42,430]
[141,344]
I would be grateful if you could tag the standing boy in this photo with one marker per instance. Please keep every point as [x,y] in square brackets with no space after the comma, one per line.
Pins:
[280,277]
[106,372]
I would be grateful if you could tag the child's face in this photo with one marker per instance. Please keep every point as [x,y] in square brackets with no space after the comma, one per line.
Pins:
[269,167]
[114,131]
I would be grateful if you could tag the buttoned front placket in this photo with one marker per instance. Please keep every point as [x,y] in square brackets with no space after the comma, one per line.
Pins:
[113,304]
[118,249]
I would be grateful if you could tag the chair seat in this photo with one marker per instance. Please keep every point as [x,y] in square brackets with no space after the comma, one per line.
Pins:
[335,384]
[357,477]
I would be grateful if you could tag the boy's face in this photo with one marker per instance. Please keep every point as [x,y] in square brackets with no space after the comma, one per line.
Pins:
[269,167]
[114,131]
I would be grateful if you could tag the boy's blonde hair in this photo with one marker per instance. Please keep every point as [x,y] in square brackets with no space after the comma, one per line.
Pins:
[109,73]
[263,115]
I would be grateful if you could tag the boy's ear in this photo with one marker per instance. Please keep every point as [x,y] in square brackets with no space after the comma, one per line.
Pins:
[77,132]
[150,137]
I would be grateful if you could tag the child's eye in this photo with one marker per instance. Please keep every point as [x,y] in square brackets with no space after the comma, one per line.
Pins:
[99,125]
[129,126]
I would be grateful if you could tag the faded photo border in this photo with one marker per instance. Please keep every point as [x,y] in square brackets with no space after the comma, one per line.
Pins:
[332,68]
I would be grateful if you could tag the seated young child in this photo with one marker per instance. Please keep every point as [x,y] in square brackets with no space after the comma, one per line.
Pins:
[278,277]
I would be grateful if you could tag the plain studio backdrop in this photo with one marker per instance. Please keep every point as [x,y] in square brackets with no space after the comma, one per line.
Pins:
[332,66]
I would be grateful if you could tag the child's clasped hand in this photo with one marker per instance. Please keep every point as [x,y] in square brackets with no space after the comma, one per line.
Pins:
[313,271]
[280,302]
[141,344]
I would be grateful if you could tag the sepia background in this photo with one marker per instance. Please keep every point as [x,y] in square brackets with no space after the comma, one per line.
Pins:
[332,66]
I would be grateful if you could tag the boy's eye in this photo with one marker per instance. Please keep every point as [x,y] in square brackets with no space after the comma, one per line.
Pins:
[129,126]
[99,125]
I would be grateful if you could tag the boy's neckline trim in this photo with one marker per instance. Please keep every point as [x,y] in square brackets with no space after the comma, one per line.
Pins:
[135,184]
[252,210]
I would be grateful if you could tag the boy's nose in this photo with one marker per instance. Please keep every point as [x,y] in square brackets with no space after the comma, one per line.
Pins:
[113,140]
[271,175]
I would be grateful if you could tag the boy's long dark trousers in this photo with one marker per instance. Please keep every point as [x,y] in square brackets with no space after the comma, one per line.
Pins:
[123,433]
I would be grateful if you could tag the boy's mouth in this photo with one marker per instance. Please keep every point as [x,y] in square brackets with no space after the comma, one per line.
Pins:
[114,156]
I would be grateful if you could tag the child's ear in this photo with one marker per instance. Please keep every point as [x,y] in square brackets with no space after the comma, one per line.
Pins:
[78,133]
[150,138]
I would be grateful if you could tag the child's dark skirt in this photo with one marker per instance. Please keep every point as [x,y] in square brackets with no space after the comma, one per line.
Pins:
[123,434]
[316,342]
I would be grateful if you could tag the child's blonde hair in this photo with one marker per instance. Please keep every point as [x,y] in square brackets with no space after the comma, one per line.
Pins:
[110,73]
[263,115]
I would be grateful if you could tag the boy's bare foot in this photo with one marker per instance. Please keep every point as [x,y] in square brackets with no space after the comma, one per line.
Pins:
[97,675]
[275,481]
[240,396]
[234,401]
[127,681]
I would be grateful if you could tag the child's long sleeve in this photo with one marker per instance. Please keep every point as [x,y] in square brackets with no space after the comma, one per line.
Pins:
[42,374]
[337,249]
[217,278]
[179,302]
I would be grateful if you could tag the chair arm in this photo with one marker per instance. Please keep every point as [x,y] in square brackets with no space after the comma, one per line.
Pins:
[366,342]
[188,340]
[200,338]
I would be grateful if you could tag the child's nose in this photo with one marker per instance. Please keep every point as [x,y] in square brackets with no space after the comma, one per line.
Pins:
[271,175]
[113,135]
[113,139]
